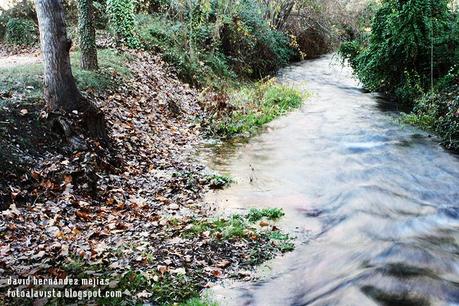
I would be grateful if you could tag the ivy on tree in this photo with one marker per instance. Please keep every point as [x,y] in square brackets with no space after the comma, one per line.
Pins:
[87,34]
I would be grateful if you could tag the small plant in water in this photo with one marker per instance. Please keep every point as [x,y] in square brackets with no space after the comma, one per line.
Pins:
[217,181]
[255,214]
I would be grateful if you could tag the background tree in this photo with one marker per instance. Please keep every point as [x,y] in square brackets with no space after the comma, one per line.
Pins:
[87,34]
[60,89]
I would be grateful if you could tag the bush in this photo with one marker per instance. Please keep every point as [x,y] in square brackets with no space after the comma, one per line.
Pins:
[207,42]
[122,22]
[21,32]
[253,48]
[439,112]
[396,56]
[195,61]
[24,9]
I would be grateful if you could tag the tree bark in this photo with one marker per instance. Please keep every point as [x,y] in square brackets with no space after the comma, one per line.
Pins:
[87,33]
[60,90]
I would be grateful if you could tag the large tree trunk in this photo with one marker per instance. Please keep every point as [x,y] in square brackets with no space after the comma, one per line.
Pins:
[61,92]
[87,35]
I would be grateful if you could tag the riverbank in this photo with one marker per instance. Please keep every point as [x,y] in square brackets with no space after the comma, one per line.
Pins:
[131,212]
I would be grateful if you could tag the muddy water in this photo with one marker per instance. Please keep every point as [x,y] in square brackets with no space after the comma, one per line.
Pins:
[374,204]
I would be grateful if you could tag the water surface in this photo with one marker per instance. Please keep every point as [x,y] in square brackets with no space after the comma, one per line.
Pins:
[375,204]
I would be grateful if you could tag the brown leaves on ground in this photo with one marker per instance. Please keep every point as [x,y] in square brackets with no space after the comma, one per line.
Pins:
[111,209]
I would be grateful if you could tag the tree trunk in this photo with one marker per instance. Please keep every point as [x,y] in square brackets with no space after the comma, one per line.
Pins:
[60,89]
[87,35]
[61,92]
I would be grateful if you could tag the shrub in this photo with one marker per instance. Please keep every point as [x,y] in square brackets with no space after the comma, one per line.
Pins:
[396,56]
[253,48]
[21,32]
[24,9]
[439,112]
[122,21]
[195,60]
[207,42]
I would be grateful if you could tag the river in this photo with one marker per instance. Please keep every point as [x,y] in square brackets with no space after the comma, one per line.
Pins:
[374,203]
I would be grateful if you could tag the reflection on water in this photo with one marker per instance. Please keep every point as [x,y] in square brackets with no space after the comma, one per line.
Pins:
[375,204]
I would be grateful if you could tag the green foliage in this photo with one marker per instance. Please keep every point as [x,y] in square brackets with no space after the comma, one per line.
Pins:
[199,302]
[188,51]
[257,105]
[110,60]
[282,241]
[252,46]
[396,57]
[269,213]
[122,21]
[217,181]
[165,291]
[24,9]
[424,121]
[439,112]
[21,32]
[209,42]
[235,226]
[101,17]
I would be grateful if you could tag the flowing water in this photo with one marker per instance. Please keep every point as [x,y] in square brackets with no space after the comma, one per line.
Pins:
[374,204]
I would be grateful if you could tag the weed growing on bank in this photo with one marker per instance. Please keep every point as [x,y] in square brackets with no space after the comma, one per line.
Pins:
[255,105]
[269,213]
[218,181]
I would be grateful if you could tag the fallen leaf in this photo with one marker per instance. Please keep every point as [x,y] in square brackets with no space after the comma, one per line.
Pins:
[83,215]
[162,269]
[264,223]
[223,264]
[179,271]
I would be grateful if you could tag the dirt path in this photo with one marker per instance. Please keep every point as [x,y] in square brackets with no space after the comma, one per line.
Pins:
[12,61]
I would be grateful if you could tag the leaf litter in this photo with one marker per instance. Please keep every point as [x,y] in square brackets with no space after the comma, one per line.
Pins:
[125,211]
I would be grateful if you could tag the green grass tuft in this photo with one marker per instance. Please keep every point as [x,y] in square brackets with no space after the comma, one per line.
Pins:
[235,226]
[255,214]
[257,105]
[199,302]
[217,181]
[423,121]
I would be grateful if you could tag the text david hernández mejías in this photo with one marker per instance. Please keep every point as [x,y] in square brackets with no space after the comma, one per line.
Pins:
[59,288]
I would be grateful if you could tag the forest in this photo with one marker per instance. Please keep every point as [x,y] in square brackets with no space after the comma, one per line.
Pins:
[229,152]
